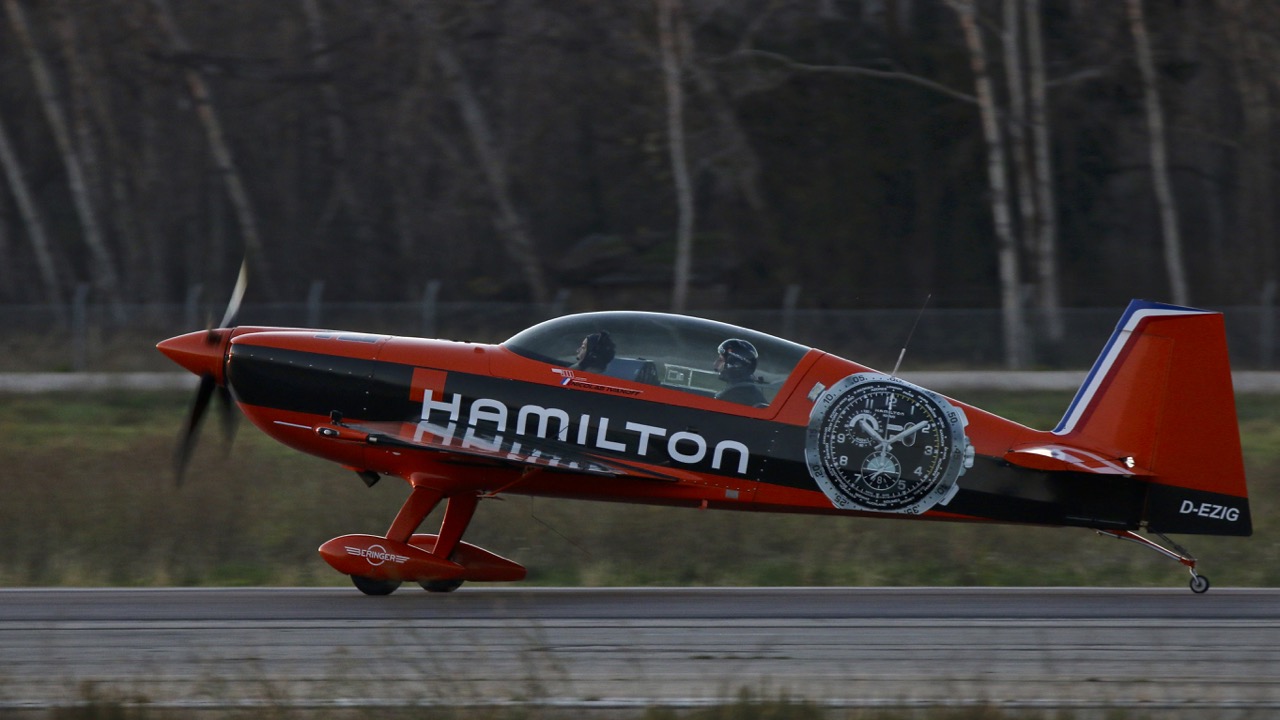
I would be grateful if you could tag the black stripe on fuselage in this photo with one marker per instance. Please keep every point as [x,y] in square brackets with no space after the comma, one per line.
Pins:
[297,381]
[995,490]
[668,435]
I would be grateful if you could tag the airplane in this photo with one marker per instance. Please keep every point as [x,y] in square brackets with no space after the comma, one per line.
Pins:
[1150,441]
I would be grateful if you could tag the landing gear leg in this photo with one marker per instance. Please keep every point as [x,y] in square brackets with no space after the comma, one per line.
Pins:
[415,509]
[1199,583]
[457,515]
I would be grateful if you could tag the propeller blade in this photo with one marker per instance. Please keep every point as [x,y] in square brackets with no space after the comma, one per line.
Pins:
[187,441]
[237,294]
[229,415]
[182,350]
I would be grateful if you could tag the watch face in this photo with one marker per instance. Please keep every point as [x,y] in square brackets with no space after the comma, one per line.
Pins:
[880,444]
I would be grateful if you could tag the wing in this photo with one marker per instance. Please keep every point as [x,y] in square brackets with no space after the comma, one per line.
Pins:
[521,451]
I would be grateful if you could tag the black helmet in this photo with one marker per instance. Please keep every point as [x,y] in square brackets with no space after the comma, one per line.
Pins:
[599,350]
[739,359]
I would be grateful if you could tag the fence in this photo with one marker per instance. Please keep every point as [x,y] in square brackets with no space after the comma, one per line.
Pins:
[88,337]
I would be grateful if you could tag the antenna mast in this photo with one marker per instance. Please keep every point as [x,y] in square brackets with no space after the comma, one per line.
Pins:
[912,331]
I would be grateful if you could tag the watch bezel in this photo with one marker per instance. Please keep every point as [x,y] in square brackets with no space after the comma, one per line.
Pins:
[955,443]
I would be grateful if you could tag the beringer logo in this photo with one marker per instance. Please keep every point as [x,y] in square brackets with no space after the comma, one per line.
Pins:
[376,553]
[1208,510]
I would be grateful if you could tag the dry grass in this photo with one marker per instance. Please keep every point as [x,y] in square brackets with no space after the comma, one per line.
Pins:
[87,498]
[746,706]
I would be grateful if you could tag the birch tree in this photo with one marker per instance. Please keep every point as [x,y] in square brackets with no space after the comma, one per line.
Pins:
[1028,139]
[1006,243]
[104,263]
[1046,229]
[1254,53]
[511,225]
[670,14]
[1016,127]
[1166,203]
[343,193]
[219,148]
[32,221]
[99,142]
[743,163]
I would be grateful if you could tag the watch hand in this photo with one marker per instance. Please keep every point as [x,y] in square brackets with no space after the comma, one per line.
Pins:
[906,433]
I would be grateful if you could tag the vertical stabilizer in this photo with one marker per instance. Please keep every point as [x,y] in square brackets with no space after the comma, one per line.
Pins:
[1159,399]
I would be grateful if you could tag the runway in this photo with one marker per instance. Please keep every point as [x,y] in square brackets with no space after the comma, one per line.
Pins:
[629,647]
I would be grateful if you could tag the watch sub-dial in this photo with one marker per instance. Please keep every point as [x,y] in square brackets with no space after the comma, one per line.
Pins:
[880,470]
[866,429]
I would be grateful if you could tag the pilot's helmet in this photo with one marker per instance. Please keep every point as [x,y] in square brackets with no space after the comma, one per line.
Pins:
[599,349]
[738,359]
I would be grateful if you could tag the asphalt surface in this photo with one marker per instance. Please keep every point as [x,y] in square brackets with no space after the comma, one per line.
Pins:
[1161,649]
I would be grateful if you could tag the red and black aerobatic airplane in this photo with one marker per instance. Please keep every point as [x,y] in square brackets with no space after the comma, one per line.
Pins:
[666,409]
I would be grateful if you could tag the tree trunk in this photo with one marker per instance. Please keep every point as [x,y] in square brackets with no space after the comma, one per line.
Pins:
[1159,158]
[1007,247]
[33,222]
[104,262]
[740,161]
[8,271]
[219,149]
[1046,231]
[511,226]
[343,193]
[1019,143]
[669,14]
[1253,59]
[142,268]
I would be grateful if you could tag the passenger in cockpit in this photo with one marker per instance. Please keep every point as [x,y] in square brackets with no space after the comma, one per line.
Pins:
[595,353]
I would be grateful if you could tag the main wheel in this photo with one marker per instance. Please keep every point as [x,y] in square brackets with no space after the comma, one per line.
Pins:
[440,586]
[1199,584]
[371,586]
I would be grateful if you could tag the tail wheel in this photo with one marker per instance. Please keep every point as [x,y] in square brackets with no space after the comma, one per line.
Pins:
[370,586]
[1199,584]
[440,586]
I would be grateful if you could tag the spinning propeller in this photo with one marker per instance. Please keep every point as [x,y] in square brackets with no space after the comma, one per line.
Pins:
[202,353]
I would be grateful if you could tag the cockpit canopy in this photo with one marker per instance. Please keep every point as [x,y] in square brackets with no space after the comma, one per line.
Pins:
[674,351]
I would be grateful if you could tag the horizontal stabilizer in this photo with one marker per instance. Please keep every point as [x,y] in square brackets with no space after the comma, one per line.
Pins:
[1065,458]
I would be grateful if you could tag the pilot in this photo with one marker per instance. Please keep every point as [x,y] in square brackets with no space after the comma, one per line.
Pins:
[735,363]
[595,353]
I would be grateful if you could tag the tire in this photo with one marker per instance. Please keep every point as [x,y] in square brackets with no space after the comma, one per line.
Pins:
[1199,584]
[370,586]
[440,586]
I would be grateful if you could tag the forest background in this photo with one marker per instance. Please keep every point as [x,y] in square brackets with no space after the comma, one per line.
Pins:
[1025,155]
[1022,156]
